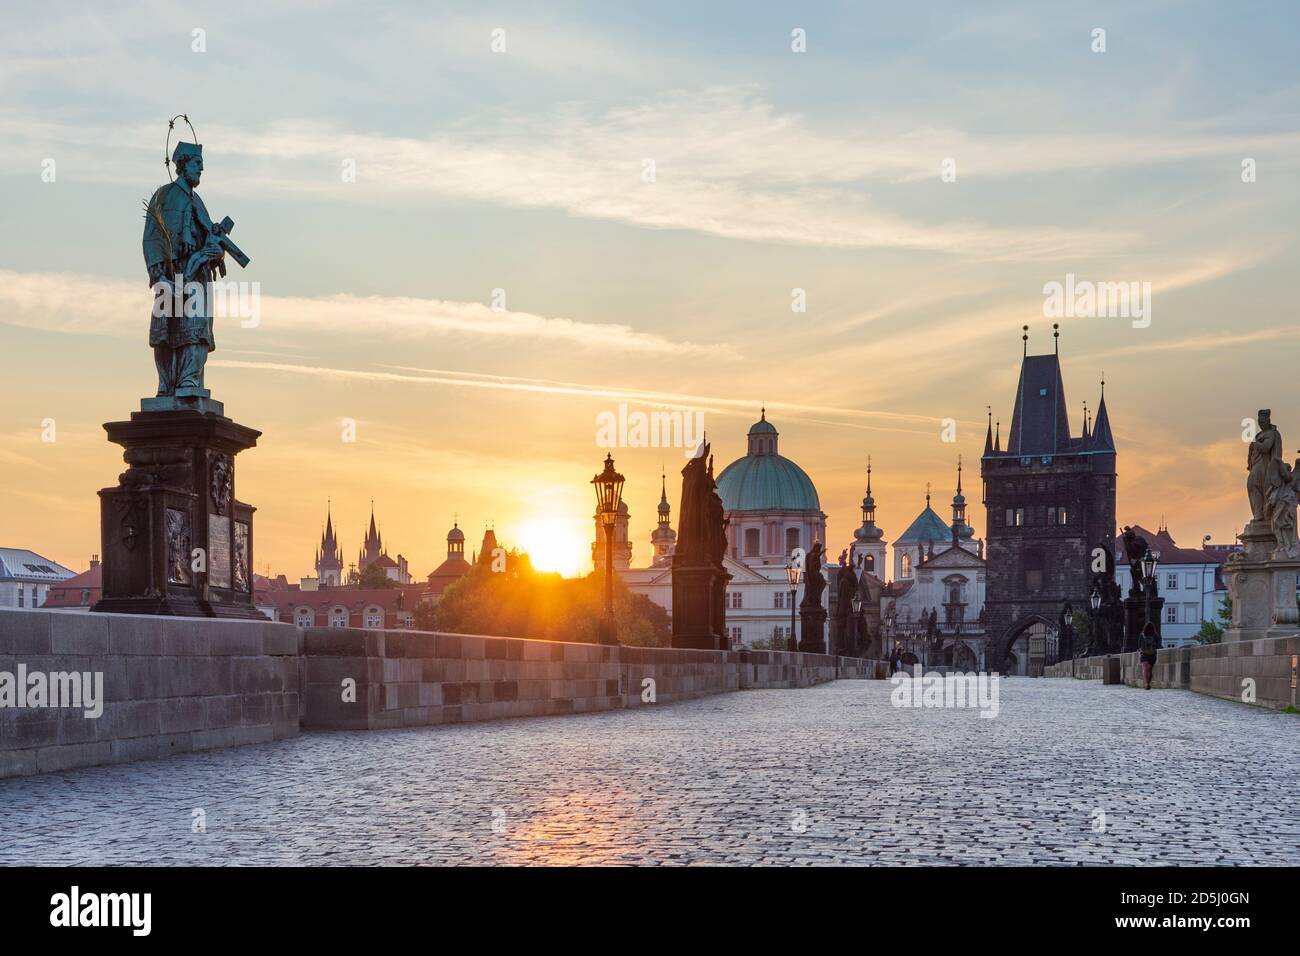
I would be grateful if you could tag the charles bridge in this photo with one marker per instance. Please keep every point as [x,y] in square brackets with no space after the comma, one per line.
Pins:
[315,747]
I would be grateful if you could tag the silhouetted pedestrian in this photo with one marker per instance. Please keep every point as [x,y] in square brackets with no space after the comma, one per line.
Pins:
[1148,653]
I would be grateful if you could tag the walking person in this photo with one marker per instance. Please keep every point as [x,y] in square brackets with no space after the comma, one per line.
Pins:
[1148,653]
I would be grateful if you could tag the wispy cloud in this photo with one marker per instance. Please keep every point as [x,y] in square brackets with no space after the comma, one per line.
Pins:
[740,406]
[77,303]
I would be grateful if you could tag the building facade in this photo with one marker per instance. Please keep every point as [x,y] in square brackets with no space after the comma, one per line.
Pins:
[1189,579]
[1050,500]
[772,508]
[26,577]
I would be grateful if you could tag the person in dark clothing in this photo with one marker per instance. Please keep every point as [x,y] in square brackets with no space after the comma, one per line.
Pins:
[1148,653]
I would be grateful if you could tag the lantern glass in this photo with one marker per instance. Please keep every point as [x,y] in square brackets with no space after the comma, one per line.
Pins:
[792,575]
[609,488]
[1149,561]
[857,604]
[1095,599]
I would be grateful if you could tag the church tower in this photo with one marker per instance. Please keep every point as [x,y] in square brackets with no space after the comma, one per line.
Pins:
[622,546]
[869,540]
[329,556]
[373,545]
[962,533]
[664,538]
[1050,500]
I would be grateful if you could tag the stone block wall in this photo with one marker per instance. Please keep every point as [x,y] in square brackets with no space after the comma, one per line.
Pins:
[1218,670]
[170,685]
[411,679]
[176,685]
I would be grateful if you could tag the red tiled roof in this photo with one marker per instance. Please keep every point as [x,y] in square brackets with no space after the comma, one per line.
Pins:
[898,588]
[68,593]
[353,599]
[453,569]
[1170,553]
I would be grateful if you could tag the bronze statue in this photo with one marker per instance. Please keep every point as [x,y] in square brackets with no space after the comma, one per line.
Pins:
[183,250]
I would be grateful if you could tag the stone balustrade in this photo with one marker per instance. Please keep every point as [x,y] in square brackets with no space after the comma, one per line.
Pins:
[1219,670]
[174,685]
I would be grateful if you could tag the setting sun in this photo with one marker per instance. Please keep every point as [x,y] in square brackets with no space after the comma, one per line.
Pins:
[554,544]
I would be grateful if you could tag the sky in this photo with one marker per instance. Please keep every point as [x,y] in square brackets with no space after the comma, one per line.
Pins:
[624,204]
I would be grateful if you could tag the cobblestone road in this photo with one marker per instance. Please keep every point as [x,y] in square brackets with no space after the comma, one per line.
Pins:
[831,774]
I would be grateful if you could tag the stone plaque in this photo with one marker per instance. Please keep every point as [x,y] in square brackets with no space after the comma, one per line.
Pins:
[219,551]
[242,578]
[178,547]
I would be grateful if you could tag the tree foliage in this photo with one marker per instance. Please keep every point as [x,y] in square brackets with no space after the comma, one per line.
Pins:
[375,577]
[522,602]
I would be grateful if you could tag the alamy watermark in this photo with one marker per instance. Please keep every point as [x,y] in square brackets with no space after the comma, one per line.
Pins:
[55,689]
[228,299]
[638,429]
[946,691]
[1084,299]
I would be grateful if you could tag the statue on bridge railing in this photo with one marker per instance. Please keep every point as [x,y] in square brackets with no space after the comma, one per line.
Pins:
[699,578]
[1135,549]
[814,581]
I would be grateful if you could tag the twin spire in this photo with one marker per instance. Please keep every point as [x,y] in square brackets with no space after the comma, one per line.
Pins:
[1039,425]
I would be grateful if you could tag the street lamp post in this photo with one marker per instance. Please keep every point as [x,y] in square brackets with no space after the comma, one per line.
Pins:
[856,603]
[792,574]
[1149,561]
[609,494]
[1094,601]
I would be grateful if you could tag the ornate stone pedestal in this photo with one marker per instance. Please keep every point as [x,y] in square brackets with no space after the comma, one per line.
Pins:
[174,538]
[699,613]
[1138,609]
[1262,583]
[812,629]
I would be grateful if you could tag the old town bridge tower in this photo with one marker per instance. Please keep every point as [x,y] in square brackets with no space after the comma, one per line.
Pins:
[1050,500]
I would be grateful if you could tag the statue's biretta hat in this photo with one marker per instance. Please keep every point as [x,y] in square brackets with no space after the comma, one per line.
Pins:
[186,150]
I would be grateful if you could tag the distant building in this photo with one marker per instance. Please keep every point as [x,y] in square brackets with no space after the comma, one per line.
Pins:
[371,608]
[329,556]
[1050,500]
[26,577]
[1189,579]
[454,568]
[373,552]
[78,593]
[772,508]
[622,546]
[663,539]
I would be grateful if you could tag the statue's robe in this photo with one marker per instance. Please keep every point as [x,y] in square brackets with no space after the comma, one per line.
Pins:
[1264,461]
[176,225]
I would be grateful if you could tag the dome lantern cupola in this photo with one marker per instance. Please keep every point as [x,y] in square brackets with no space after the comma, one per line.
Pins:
[455,542]
[762,436]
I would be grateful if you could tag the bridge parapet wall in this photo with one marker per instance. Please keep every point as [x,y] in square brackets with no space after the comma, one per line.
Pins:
[411,679]
[168,685]
[1219,670]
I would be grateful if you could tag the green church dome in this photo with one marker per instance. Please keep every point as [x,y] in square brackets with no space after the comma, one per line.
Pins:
[764,480]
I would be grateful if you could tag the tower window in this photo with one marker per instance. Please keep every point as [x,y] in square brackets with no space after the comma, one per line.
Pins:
[906,566]
[791,540]
[1033,571]
[752,542]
